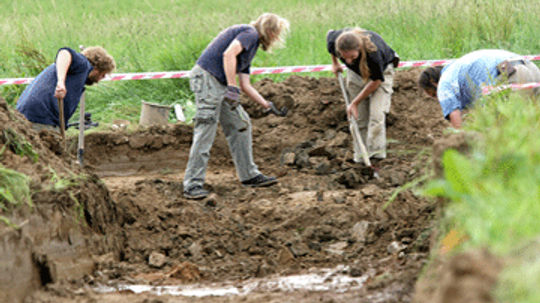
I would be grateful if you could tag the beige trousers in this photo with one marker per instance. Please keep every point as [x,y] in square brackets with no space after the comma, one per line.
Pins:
[372,112]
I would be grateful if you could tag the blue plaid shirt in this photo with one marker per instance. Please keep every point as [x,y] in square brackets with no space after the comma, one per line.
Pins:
[462,80]
[38,104]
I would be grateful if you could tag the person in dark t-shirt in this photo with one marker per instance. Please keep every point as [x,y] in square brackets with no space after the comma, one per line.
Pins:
[370,66]
[65,79]
[213,80]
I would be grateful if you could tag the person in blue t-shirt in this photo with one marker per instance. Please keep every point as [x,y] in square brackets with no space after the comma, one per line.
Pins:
[66,79]
[214,83]
[459,84]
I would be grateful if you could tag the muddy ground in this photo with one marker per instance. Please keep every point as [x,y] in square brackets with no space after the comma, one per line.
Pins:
[137,228]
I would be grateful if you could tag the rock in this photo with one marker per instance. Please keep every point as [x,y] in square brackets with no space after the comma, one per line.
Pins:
[395,247]
[370,190]
[330,134]
[118,140]
[302,159]
[338,248]
[322,151]
[285,256]
[137,142]
[195,250]
[350,179]
[360,231]
[298,248]
[288,158]
[323,168]
[340,140]
[397,178]
[157,260]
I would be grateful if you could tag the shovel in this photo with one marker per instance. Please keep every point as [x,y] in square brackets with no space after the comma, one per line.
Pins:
[355,131]
[62,122]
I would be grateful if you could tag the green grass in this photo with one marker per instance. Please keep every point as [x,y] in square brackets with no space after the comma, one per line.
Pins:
[14,189]
[495,191]
[165,35]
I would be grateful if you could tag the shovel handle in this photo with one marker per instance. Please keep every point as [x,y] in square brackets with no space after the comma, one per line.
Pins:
[62,122]
[357,139]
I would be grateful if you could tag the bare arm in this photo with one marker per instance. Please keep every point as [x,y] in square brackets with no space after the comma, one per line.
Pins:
[229,61]
[368,90]
[253,94]
[455,119]
[336,66]
[63,61]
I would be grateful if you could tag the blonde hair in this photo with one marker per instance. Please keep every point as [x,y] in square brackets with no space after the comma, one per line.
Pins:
[99,58]
[357,39]
[274,24]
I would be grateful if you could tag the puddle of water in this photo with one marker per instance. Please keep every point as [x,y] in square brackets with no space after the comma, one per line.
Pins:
[317,280]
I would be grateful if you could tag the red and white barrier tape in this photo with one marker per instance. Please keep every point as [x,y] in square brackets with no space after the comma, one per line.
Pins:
[491,89]
[254,71]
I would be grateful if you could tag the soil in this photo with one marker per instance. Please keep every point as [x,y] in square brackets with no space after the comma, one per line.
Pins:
[135,227]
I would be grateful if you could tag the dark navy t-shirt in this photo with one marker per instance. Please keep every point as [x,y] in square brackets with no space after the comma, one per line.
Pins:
[377,61]
[38,104]
[211,59]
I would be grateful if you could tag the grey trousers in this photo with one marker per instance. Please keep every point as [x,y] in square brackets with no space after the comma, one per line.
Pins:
[211,110]
[372,112]
[526,73]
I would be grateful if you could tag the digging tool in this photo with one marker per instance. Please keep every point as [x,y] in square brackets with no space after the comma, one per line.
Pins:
[80,150]
[355,131]
[62,122]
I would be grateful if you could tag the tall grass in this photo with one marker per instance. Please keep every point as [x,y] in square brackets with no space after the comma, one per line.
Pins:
[166,35]
[495,192]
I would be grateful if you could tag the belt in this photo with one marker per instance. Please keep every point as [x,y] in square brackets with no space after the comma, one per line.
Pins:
[517,62]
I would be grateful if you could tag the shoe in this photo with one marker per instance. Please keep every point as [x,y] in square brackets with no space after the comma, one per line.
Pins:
[196,192]
[260,181]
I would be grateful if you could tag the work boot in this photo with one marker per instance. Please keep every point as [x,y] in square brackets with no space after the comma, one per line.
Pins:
[260,181]
[197,192]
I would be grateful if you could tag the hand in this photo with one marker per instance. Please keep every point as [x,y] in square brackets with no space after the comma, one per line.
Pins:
[273,109]
[352,110]
[233,93]
[60,91]
[336,69]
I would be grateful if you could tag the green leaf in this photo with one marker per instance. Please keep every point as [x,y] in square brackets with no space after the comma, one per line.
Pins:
[458,172]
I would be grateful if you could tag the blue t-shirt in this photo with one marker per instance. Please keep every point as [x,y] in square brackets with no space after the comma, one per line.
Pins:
[211,59]
[462,80]
[38,104]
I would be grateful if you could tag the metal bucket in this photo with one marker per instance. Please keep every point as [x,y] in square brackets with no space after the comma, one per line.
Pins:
[154,114]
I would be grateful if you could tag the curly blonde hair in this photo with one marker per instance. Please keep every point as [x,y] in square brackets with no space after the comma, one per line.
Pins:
[268,24]
[357,39]
[99,58]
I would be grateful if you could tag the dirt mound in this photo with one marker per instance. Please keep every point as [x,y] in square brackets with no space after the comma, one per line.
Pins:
[47,238]
[327,210]
[465,277]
